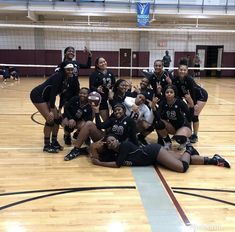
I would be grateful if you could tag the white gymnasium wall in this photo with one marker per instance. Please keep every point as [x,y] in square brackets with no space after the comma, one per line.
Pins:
[112,41]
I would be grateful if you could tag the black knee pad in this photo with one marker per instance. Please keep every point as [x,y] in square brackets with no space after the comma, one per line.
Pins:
[58,121]
[68,129]
[50,124]
[181,139]
[160,125]
[195,119]
[185,166]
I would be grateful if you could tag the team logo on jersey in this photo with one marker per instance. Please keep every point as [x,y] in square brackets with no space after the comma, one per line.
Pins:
[118,130]
[78,113]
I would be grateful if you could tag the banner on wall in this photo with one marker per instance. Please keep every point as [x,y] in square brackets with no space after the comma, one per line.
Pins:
[142,14]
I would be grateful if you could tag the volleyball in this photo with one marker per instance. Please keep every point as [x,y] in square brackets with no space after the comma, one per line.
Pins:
[94,98]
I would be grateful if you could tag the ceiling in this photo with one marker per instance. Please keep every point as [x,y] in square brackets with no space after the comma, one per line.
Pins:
[123,15]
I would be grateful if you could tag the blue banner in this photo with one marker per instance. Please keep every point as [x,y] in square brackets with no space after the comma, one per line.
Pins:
[143,14]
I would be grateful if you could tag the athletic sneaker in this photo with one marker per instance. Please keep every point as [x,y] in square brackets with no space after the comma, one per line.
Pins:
[75,152]
[50,149]
[67,139]
[221,161]
[191,150]
[193,138]
[57,146]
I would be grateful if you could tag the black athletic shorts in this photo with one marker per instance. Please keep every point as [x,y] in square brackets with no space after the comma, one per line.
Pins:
[201,94]
[36,97]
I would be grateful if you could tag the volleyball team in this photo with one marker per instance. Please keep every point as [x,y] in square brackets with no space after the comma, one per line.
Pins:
[115,131]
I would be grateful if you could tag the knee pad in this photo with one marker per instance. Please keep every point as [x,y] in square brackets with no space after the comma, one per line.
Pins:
[195,119]
[185,166]
[58,121]
[160,125]
[49,124]
[69,130]
[181,139]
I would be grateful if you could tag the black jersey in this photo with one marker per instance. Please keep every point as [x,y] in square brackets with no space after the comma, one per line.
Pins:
[130,154]
[77,66]
[74,110]
[178,114]
[189,85]
[106,80]
[185,86]
[156,78]
[124,128]
[56,84]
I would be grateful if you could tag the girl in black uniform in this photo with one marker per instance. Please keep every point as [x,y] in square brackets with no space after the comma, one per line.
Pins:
[127,154]
[76,112]
[44,96]
[118,93]
[102,80]
[159,79]
[186,85]
[144,88]
[69,55]
[119,124]
[173,116]
[111,153]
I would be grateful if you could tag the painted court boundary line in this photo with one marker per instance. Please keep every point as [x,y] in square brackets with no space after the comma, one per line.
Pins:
[162,209]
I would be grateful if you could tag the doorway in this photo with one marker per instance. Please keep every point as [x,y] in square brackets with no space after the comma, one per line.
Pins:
[125,61]
[210,56]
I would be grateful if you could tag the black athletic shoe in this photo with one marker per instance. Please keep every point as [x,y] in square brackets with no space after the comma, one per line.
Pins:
[193,138]
[67,139]
[191,150]
[221,161]
[75,152]
[50,149]
[57,146]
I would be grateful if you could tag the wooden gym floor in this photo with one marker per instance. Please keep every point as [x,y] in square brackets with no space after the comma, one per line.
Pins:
[41,192]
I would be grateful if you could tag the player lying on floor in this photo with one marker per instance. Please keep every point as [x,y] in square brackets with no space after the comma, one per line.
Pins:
[109,152]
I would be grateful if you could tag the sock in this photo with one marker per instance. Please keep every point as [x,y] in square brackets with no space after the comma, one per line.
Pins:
[46,141]
[54,138]
[209,161]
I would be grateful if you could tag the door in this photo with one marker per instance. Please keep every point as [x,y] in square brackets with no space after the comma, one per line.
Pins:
[213,58]
[125,61]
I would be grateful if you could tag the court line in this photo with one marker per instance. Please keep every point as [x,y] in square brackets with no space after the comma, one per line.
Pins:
[204,189]
[160,210]
[205,197]
[173,198]
[62,192]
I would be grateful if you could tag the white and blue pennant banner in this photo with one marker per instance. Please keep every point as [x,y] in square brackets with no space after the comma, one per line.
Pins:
[142,14]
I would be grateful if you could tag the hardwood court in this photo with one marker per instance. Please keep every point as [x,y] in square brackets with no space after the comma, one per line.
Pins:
[56,202]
